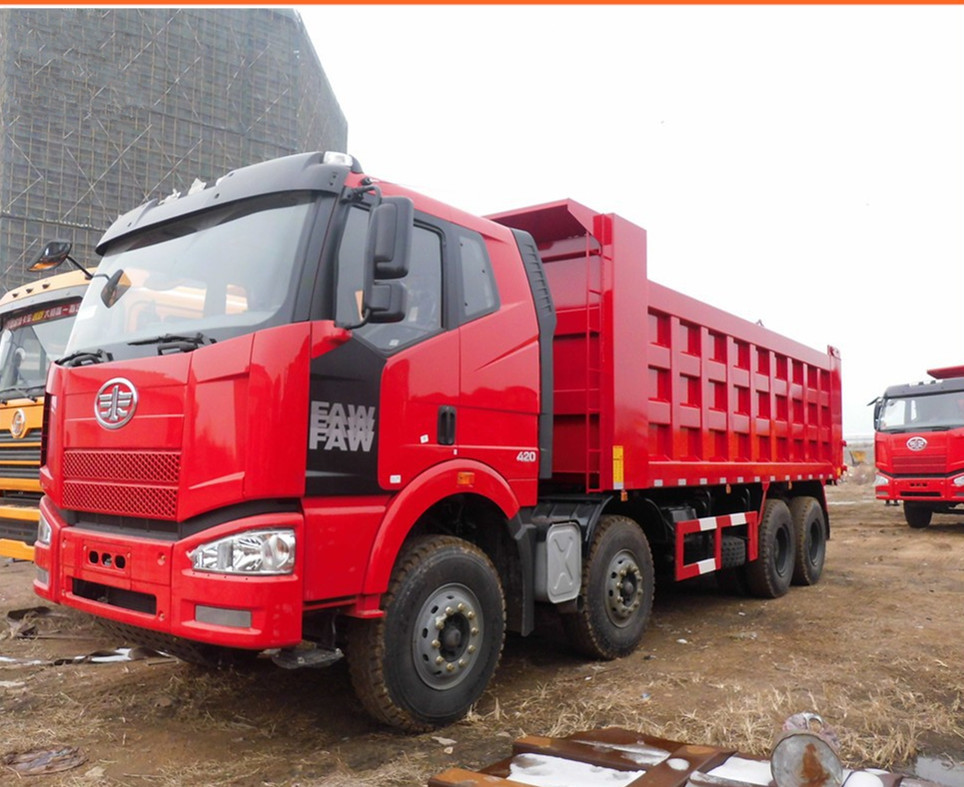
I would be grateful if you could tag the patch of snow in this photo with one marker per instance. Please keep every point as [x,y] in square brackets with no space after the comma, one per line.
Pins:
[863,779]
[121,654]
[540,770]
[741,769]
[678,764]
[639,753]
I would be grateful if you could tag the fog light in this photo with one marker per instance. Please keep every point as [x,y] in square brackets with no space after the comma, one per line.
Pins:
[255,552]
[44,531]
[43,576]
[235,618]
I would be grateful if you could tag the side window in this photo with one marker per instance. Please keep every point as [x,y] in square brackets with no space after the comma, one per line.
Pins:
[351,271]
[478,284]
[423,286]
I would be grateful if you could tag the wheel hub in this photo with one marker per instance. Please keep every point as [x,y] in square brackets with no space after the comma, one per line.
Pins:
[448,635]
[624,588]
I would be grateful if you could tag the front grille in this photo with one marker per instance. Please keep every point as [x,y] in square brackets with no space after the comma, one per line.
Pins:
[18,458]
[914,465]
[115,597]
[157,466]
[18,530]
[131,483]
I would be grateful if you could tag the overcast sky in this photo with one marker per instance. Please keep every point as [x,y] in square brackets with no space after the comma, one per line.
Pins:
[799,165]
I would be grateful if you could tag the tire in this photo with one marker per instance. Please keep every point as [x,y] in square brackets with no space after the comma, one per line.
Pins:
[917,515]
[769,575]
[429,658]
[810,534]
[731,579]
[616,595]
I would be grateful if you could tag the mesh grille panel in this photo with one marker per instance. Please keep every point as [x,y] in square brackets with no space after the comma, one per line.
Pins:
[160,467]
[930,463]
[131,483]
[148,501]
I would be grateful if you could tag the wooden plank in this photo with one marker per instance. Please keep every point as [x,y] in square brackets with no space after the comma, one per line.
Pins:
[458,777]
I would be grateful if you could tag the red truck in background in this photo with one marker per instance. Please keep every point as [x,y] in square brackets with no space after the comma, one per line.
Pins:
[303,410]
[919,445]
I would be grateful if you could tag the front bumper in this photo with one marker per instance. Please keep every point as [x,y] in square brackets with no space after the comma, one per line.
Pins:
[924,490]
[151,584]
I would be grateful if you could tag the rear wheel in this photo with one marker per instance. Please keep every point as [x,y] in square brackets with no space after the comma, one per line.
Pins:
[616,596]
[433,653]
[917,515]
[769,575]
[810,533]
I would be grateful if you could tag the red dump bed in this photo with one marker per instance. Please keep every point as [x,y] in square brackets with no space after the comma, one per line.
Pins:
[654,388]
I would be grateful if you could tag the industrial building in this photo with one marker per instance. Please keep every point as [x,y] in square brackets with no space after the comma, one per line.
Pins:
[102,109]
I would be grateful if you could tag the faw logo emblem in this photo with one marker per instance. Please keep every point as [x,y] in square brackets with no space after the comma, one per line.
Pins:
[18,426]
[917,443]
[334,426]
[115,403]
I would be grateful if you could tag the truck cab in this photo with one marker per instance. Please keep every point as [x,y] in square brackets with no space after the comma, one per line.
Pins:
[919,446]
[35,323]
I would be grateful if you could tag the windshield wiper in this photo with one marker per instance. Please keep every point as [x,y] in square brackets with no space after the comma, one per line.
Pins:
[86,358]
[175,342]
[9,394]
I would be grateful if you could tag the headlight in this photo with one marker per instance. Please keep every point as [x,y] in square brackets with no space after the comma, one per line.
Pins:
[254,552]
[44,532]
[959,481]
[881,481]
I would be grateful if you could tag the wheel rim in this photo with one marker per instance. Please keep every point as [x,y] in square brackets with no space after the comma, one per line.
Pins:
[448,637]
[624,588]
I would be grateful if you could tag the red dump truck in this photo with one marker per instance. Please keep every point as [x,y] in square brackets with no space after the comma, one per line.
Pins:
[303,411]
[919,445]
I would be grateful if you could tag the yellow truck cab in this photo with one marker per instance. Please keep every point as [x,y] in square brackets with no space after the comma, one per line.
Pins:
[35,323]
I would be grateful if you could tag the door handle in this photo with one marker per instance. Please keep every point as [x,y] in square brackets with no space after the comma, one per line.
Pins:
[446,425]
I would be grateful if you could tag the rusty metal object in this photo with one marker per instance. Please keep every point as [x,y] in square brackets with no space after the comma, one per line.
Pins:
[805,754]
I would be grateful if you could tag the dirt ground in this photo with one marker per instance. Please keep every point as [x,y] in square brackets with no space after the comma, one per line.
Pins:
[875,647]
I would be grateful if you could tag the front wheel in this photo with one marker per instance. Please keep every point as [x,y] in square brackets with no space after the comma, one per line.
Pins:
[810,532]
[616,596]
[769,575]
[917,515]
[429,658]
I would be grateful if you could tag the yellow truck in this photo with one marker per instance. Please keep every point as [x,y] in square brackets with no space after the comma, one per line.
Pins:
[35,322]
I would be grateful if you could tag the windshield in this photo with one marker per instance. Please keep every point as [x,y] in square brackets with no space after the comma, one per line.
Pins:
[30,341]
[925,412]
[223,272]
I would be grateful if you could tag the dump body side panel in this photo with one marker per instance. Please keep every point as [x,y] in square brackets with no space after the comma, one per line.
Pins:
[654,388]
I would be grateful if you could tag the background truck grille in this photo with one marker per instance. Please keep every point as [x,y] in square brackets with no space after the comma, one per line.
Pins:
[133,483]
[19,458]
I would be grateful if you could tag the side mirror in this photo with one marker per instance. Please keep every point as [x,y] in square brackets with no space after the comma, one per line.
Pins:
[388,302]
[390,238]
[878,407]
[54,255]
[115,287]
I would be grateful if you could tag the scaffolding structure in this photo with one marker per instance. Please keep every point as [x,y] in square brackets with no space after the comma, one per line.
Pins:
[102,109]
